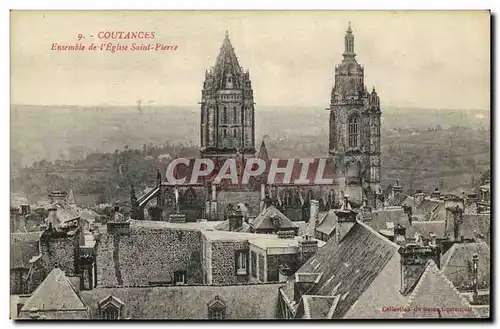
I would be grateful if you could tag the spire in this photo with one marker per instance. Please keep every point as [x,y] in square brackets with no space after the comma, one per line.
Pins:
[349,43]
[263,151]
[227,34]
[226,62]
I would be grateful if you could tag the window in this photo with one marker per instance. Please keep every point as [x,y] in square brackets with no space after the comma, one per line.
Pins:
[110,308]
[241,260]
[235,115]
[180,277]
[217,309]
[224,115]
[353,131]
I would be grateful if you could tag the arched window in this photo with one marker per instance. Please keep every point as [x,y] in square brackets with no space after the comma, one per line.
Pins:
[353,130]
[235,115]
[217,309]
[224,133]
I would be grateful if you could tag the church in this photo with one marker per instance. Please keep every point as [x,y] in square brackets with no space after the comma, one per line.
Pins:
[227,131]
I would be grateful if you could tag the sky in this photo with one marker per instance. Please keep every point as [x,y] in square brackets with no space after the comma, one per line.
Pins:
[420,59]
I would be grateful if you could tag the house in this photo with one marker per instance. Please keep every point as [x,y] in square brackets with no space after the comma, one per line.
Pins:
[271,220]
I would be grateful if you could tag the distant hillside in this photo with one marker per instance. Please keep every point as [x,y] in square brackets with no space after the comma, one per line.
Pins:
[69,132]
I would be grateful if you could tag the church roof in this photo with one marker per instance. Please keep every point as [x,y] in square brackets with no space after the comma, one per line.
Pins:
[226,62]
[263,152]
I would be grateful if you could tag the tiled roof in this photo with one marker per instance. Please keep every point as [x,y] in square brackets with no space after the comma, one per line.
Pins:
[474,224]
[328,223]
[426,207]
[381,217]
[425,227]
[398,199]
[456,264]
[319,307]
[254,301]
[264,220]
[23,247]
[436,297]
[55,293]
[349,267]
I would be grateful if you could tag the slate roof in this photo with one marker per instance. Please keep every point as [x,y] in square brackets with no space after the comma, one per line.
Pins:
[474,224]
[318,307]
[438,296]
[426,207]
[426,227]
[349,267]
[328,223]
[456,264]
[252,301]
[55,294]
[263,220]
[383,216]
[23,247]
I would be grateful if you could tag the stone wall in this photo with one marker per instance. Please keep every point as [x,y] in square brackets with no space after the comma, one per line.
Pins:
[59,249]
[224,264]
[148,255]
[18,278]
[274,261]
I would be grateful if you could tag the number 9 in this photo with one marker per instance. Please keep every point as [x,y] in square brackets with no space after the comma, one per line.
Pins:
[80,36]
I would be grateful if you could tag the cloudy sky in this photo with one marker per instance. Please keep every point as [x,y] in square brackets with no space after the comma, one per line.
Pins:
[415,59]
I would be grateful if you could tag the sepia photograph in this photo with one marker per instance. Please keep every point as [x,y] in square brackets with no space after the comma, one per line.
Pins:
[250,165]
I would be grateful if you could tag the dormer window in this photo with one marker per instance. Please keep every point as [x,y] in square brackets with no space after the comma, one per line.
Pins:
[241,262]
[217,309]
[110,308]
[180,277]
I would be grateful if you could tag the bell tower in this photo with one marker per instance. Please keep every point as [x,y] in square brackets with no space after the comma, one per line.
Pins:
[354,139]
[227,108]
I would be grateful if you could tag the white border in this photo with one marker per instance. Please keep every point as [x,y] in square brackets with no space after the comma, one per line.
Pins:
[214,4]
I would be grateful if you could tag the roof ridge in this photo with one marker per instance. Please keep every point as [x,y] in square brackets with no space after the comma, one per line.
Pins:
[380,236]
[452,252]
[432,265]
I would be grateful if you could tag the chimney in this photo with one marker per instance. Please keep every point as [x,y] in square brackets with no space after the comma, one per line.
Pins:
[284,272]
[475,258]
[52,216]
[307,248]
[235,219]
[314,212]
[366,211]
[397,188]
[346,217]
[456,220]
[400,235]
[436,194]
[408,210]
[433,241]
[419,197]
[414,259]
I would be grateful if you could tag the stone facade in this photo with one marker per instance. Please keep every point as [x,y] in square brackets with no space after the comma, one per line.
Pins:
[223,258]
[60,249]
[227,108]
[148,255]
[355,129]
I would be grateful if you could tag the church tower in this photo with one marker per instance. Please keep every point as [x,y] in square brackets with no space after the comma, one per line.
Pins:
[227,108]
[354,141]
